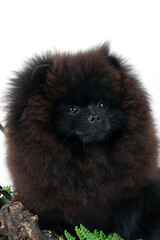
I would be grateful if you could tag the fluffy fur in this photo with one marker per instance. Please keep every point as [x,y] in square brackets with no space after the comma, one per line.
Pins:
[82,145]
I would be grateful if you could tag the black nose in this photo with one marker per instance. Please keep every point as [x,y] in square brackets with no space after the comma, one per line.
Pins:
[94,119]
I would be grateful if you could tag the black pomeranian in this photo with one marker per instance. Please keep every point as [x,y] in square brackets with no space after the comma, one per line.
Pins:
[82,148]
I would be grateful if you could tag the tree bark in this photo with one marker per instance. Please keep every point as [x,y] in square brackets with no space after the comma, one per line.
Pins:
[17,223]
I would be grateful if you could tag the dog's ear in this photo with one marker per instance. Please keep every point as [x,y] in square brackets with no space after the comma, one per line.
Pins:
[39,74]
[114,61]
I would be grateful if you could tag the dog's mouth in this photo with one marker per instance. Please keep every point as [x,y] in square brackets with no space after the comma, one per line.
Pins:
[94,135]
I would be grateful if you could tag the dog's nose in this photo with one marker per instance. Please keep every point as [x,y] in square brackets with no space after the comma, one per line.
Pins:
[94,119]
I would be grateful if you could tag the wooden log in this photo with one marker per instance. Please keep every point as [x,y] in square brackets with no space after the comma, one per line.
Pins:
[17,223]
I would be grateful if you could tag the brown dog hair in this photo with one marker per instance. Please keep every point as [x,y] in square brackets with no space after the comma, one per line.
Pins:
[65,188]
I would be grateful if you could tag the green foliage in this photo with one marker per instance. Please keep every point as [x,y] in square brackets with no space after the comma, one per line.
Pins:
[8,189]
[3,199]
[84,234]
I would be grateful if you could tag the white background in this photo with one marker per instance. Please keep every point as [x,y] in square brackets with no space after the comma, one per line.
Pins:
[33,26]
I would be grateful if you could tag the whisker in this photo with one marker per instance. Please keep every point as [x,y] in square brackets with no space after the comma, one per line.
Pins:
[118,124]
[68,135]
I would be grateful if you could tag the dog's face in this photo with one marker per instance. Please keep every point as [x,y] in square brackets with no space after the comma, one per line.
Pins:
[72,98]
[89,116]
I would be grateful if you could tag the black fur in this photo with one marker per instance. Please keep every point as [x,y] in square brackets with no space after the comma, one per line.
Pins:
[82,147]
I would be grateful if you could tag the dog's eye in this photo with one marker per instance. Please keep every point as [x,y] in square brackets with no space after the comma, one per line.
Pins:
[101,105]
[73,110]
